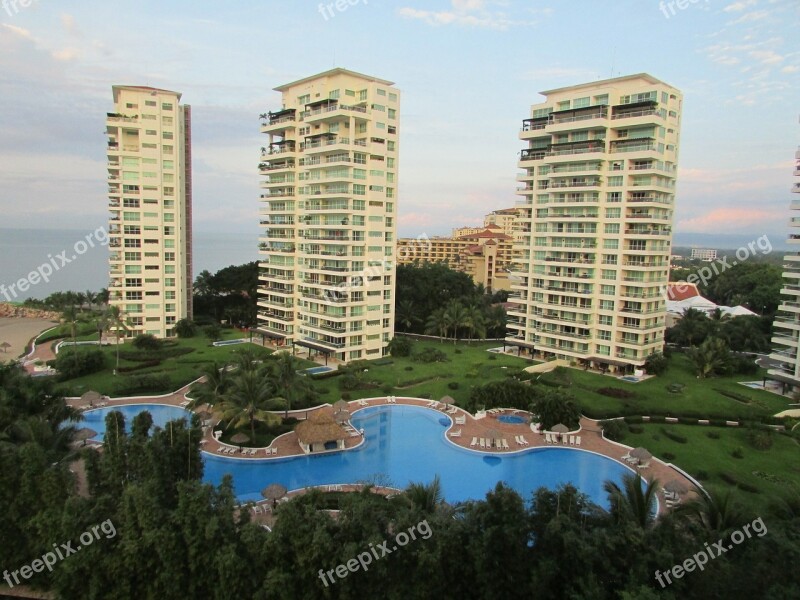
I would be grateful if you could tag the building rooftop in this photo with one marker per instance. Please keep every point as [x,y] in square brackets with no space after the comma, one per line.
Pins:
[606,82]
[143,88]
[332,73]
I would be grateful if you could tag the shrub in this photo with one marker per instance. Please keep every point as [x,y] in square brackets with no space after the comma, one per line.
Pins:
[387,388]
[613,430]
[673,436]
[737,453]
[656,364]
[668,456]
[429,355]
[458,351]
[492,357]
[743,365]
[145,364]
[145,341]
[76,362]
[712,434]
[409,368]
[453,385]
[734,395]
[400,346]
[346,396]
[185,328]
[146,382]
[212,332]
[635,429]
[633,419]
[760,439]
[612,392]
[658,419]
[687,421]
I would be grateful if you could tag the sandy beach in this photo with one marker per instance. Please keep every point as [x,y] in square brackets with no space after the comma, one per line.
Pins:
[18,332]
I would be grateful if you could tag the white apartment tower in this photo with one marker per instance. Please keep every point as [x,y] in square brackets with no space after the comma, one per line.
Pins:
[329,216]
[150,199]
[599,172]
[787,323]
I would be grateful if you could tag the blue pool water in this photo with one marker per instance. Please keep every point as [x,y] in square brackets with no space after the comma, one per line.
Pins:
[230,342]
[630,379]
[510,419]
[315,370]
[161,413]
[407,444]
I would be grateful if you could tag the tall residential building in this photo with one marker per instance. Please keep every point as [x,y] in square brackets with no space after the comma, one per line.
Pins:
[599,173]
[787,323]
[504,219]
[329,215]
[705,254]
[150,199]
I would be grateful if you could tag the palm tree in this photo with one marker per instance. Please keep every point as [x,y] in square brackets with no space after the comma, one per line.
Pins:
[117,323]
[475,321]
[91,298]
[405,314]
[631,502]
[426,498]
[693,325]
[245,402]
[71,318]
[714,514]
[457,317]
[496,320]
[216,381]
[80,298]
[711,357]
[437,323]
[288,381]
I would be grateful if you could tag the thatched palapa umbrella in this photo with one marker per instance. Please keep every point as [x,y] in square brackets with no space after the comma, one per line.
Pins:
[91,397]
[84,434]
[274,492]
[341,416]
[641,454]
[5,346]
[341,405]
[240,438]
[493,435]
[559,428]
[447,400]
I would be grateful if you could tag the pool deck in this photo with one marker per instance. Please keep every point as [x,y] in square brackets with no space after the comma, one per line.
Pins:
[287,444]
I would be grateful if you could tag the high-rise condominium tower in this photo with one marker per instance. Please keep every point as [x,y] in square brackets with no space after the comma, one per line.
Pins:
[787,323]
[150,198]
[329,214]
[599,174]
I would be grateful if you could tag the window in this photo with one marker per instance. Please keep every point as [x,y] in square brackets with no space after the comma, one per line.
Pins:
[133,256]
[381,92]
[392,113]
[166,106]
[563,105]
[390,146]
[602,99]
[608,290]
[606,305]
[166,121]
[349,93]
[609,274]
[167,135]
[150,132]
[362,95]
[613,213]
[614,197]
[580,102]
[615,181]
[133,269]
[333,95]
[392,97]
[150,103]
[130,216]
[611,244]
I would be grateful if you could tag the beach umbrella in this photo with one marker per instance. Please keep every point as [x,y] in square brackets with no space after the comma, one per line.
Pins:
[493,434]
[5,346]
[84,434]
[204,414]
[559,428]
[447,400]
[274,492]
[676,486]
[341,405]
[91,397]
[341,416]
[641,454]
[240,438]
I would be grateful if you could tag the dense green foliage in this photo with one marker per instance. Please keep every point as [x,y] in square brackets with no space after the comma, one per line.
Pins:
[230,294]
[77,361]
[741,334]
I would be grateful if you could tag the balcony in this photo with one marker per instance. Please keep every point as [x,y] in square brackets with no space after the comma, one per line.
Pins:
[533,154]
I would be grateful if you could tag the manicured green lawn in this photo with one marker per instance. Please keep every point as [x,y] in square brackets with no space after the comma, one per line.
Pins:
[181,370]
[698,398]
[771,471]
[471,366]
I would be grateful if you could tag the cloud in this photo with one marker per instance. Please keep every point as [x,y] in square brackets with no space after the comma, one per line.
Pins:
[466,13]
[740,5]
[19,31]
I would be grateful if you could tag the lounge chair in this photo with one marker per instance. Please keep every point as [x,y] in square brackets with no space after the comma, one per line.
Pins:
[267,451]
[474,442]
[461,420]
[185,403]
[505,444]
[483,443]
[274,449]
[564,439]
[498,444]
[547,437]
[577,440]
[362,402]
[455,433]
[572,440]
[626,456]
[516,439]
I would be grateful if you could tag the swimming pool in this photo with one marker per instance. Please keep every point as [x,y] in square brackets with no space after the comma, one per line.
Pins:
[511,419]
[315,370]
[406,444]
[231,342]
[161,413]
[630,379]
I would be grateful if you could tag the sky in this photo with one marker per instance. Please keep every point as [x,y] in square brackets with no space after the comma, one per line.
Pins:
[468,71]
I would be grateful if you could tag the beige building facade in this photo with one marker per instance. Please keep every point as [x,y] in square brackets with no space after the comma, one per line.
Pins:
[598,178]
[329,215]
[150,201]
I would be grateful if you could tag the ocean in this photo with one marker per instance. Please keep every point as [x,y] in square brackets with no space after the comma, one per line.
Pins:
[25,250]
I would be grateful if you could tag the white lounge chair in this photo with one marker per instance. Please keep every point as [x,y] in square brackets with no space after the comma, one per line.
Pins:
[516,439]
[461,420]
[523,440]
[505,444]
[483,443]
[577,440]
[267,451]
[498,443]
[274,450]
[474,442]
[564,439]
[572,440]
[362,402]
[455,433]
